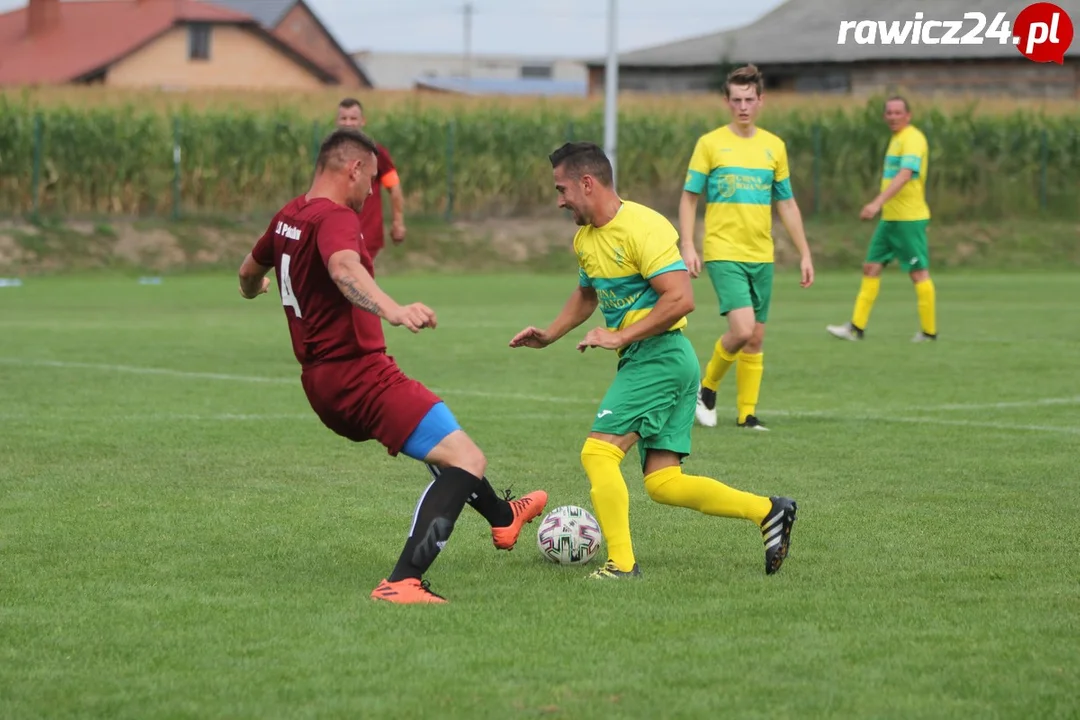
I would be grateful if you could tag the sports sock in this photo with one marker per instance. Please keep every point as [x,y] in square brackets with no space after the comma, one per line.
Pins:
[924,291]
[610,499]
[748,372]
[718,366]
[864,301]
[711,497]
[494,509]
[486,501]
[436,513]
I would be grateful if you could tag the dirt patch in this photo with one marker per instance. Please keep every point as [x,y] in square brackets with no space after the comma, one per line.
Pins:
[522,244]
[151,249]
[11,253]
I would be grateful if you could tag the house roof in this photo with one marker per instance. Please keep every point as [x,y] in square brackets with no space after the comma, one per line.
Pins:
[92,35]
[267,13]
[500,86]
[801,31]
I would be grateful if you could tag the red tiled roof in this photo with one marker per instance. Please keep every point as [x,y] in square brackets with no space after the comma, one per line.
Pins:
[92,35]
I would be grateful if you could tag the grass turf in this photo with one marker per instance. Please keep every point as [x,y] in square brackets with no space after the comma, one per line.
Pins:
[182,538]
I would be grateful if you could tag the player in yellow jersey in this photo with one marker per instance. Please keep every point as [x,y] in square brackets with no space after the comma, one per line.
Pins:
[629,266]
[901,232]
[742,169]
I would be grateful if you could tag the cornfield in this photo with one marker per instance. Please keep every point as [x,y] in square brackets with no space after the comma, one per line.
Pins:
[75,152]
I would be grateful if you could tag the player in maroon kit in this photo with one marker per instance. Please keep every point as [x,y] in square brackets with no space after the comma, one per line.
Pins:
[334,310]
[350,114]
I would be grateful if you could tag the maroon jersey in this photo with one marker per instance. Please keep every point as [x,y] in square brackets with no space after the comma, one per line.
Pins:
[298,244]
[371,215]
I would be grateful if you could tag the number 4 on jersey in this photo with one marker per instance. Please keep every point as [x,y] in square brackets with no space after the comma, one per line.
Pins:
[287,297]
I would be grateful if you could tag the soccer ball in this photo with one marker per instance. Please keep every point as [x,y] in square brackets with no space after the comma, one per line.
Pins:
[569,535]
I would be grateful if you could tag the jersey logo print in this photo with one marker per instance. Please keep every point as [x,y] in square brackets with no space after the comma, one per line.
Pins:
[287,231]
[725,185]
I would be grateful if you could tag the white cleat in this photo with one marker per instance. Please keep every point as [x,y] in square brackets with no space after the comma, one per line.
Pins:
[923,337]
[704,415]
[844,332]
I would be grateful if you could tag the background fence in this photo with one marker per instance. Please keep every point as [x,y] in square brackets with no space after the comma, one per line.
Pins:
[90,161]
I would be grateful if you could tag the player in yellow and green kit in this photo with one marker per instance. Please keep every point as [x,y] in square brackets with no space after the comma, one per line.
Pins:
[901,232]
[741,169]
[629,266]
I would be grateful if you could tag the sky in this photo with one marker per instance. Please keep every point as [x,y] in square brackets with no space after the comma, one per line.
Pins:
[561,28]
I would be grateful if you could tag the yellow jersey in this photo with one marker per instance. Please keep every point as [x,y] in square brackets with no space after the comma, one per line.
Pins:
[618,259]
[740,178]
[907,149]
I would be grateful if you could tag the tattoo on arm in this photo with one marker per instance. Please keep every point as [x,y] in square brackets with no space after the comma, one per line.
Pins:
[358,297]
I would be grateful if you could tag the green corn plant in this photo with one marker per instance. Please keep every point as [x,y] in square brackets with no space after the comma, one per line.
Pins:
[118,159]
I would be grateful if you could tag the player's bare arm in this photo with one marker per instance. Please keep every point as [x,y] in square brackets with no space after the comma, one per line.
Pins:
[397,205]
[791,216]
[687,222]
[578,308]
[873,207]
[253,280]
[360,289]
[676,299]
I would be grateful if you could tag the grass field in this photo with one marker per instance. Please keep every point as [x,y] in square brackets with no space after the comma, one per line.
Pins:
[181,538]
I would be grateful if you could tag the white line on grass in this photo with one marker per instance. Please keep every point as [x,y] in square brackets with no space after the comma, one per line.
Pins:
[160,417]
[168,372]
[145,370]
[836,414]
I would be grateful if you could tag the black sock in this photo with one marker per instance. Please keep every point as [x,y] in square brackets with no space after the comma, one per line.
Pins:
[436,513]
[487,502]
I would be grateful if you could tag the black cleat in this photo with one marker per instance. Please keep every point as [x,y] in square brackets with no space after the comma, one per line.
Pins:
[708,398]
[776,532]
[752,423]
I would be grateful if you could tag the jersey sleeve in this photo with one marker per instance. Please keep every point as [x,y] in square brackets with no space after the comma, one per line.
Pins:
[698,172]
[583,277]
[781,187]
[339,230]
[387,171]
[912,151]
[657,249]
[263,252]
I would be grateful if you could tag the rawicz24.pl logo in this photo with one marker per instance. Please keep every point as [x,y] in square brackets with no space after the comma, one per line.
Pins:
[1042,32]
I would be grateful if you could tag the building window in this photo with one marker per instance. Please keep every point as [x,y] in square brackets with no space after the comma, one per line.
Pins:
[536,71]
[198,41]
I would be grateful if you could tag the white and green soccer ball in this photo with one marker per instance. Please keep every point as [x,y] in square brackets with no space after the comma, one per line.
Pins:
[569,535]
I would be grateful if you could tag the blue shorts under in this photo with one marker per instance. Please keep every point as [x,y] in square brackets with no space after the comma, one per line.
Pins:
[436,425]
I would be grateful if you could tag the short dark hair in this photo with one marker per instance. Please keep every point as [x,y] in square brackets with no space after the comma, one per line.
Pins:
[583,158]
[898,98]
[351,102]
[336,148]
[746,75]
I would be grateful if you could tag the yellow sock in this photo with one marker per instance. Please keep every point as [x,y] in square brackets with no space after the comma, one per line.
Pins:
[711,497]
[924,291]
[748,374]
[718,366]
[864,302]
[610,499]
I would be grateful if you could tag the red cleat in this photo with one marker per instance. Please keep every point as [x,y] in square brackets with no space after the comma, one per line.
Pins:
[525,511]
[409,591]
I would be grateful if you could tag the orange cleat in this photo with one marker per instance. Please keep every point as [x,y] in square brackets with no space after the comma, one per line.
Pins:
[525,511]
[409,591]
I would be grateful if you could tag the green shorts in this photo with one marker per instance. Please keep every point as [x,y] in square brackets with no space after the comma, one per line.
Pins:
[902,240]
[654,394]
[742,284]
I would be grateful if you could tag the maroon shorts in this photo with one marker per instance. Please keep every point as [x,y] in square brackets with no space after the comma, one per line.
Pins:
[369,398]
